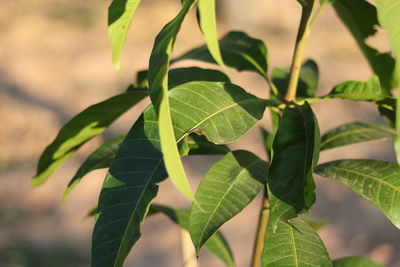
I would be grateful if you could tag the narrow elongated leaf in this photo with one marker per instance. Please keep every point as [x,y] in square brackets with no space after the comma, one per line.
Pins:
[120,14]
[308,80]
[158,84]
[227,188]
[295,154]
[358,90]
[294,243]
[81,128]
[376,181]
[355,132]
[131,183]
[355,262]
[360,17]
[217,244]
[208,25]
[238,50]
[100,158]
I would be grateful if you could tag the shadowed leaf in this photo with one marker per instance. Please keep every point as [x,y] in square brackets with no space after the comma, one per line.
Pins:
[354,262]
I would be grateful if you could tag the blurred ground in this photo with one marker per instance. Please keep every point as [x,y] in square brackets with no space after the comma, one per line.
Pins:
[55,60]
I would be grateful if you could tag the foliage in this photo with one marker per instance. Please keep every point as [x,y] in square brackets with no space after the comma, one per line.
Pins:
[196,111]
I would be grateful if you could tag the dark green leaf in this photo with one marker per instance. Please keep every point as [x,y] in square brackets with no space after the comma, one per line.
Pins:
[238,50]
[158,84]
[355,132]
[294,243]
[308,80]
[120,14]
[295,154]
[217,244]
[376,181]
[360,17]
[268,140]
[199,145]
[131,183]
[83,127]
[354,262]
[227,188]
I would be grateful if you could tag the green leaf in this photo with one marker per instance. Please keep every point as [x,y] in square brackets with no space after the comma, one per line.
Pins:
[360,17]
[81,128]
[355,132]
[158,84]
[354,262]
[120,14]
[268,139]
[227,188]
[208,25]
[308,80]
[100,158]
[199,145]
[238,50]
[294,243]
[217,244]
[131,183]
[358,90]
[376,181]
[295,154]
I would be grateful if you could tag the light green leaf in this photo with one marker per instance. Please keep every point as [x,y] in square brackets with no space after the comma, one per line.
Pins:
[83,127]
[295,154]
[131,183]
[376,181]
[217,244]
[208,25]
[294,243]
[354,262]
[308,80]
[120,14]
[360,17]
[358,90]
[227,188]
[355,132]
[238,50]
[158,84]
[100,158]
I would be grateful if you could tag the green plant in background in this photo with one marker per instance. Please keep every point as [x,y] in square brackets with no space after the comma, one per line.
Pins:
[197,111]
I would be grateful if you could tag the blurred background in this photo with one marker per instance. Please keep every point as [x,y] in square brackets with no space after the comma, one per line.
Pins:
[56,60]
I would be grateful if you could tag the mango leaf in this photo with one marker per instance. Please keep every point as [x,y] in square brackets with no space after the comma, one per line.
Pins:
[358,90]
[355,132]
[158,84]
[208,25]
[360,17]
[294,243]
[184,75]
[376,181]
[295,154]
[355,262]
[199,145]
[268,139]
[308,80]
[83,127]
[217,244]
[227,188]
[131,183]
[120,14]
[238,50]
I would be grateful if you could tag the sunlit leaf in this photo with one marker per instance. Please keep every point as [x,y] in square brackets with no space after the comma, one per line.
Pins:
[354,262]
[360,17]
[131,183]
[294,243]
[216,244]
[227,188]
[83,127]
[120,14]
[376,181]
[295,154]
[355,132]
[238,50]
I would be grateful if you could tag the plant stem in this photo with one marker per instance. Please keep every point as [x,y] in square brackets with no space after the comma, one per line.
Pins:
[261,230]
[188,252]
[302,36]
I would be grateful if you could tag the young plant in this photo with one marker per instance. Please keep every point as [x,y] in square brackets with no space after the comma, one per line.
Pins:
[197,111]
